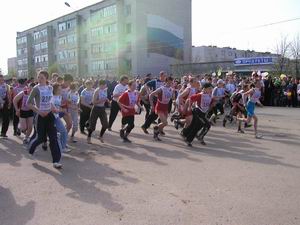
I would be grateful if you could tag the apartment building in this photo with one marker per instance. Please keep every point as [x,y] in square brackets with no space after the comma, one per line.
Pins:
[109,38]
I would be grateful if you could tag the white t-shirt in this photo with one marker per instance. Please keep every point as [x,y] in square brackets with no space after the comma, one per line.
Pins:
[119,90]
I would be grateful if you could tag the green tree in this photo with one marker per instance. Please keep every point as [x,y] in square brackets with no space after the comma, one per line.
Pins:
[53,68]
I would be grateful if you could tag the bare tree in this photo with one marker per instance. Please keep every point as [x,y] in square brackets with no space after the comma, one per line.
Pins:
[282,50]
[295,52]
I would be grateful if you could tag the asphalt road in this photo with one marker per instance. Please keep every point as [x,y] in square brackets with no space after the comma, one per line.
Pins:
[235,179]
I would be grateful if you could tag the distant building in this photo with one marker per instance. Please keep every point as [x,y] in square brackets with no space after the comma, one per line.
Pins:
[110,38]
[12,65]
[204,54]
[208,59]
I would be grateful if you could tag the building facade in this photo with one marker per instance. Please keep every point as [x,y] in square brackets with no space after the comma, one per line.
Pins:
[12,65]
[109,38]
[205,54]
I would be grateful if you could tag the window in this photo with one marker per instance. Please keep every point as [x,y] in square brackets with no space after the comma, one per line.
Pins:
[67,54]
[104,12]
[37,47]
[44,33]
[21,40]
[110,11]
[44,58]
[127,10]
[71,39]
[62,41]
[71,24]
[97,32]
[103,30]
[71,54]
[86,68]
[97,66]
[36,35]
[37,59]
[62,55]
[44,45]
[110,64]
[128,28]
[62,26]
[97,48]
[85,53]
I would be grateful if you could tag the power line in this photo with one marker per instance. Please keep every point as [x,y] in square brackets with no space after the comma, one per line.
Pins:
[274,23]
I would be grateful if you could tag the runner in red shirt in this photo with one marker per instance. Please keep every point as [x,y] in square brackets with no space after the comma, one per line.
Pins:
[200,124]
[164,94]
[127,103]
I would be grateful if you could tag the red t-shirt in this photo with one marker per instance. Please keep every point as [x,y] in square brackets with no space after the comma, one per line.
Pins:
[129,99]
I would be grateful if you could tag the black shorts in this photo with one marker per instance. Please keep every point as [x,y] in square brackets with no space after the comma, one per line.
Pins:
[26,114]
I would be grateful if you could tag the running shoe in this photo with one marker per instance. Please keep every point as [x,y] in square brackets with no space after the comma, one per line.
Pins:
[202,142]
[126,140]
[241,131]
[44,146]
[122,133]
[3,136]
[67,150]
[176,124]
[189,144]
[248,125]
[145,130]
[83,132]
[73,140]
[89,140]
[109,129]
[57,166]
[101,140]
[258,136]
[157,138]
[18,133]
[224,123]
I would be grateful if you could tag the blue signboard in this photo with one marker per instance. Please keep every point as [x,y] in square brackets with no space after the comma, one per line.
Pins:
[253,61]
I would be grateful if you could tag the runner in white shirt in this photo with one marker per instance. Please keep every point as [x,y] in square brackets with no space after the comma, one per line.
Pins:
[40,102]
[115,108]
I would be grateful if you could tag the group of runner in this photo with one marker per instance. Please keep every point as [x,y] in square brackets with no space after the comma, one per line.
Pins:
[51,107]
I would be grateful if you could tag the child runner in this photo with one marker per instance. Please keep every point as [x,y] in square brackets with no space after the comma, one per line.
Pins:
[219,96]
[191,89]
[86,103]
[127,103]
[73,106]
[68,79]
[153,85]
[61,129]
[98,111]
[164,94]
[254,95]
[40,102]
[20,85]
[23,112]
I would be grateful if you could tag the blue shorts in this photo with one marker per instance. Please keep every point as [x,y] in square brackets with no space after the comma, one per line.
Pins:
[250,109]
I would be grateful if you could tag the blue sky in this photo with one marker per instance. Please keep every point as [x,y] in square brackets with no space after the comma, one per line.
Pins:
[215,22]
